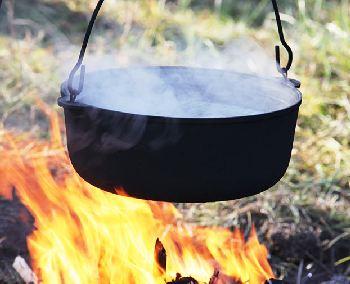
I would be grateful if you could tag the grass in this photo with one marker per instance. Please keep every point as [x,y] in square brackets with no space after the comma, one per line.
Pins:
[40,43]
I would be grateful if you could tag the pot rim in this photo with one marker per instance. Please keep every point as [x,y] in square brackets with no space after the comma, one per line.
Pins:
[64,102]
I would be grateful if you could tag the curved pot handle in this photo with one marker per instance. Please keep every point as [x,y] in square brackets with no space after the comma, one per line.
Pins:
[75,92]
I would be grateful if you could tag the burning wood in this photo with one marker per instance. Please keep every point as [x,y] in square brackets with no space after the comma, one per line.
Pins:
[16,223]
[160,260]
[75,222]
[215,278]
[184,280]
[20,219]
[160,270]
[23,269]
[160,256]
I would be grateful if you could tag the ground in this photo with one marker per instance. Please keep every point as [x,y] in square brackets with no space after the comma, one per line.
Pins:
[305,219]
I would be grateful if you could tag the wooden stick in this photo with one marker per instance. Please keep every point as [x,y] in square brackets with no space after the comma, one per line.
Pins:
[184,280]
[215,278]
[159,269]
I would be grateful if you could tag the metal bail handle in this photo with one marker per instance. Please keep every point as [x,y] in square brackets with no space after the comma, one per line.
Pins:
[75,92]
[72,91]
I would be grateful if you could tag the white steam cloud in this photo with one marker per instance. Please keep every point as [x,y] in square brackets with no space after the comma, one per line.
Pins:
[185,92]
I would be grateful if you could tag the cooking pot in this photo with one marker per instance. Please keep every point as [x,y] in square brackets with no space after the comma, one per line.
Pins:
[178,157]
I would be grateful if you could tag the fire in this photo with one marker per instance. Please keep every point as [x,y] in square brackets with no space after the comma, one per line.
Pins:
[84,235]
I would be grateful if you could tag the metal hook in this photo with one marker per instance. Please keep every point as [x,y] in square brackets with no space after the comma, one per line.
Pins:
[282,70]
[75,92]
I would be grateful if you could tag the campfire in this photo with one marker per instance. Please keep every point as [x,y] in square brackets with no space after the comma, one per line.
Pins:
[85,235]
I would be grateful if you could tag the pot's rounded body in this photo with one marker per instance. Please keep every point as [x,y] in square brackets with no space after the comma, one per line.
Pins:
[179,159]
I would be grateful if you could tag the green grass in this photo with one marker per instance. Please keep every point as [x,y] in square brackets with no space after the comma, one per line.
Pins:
[314,193]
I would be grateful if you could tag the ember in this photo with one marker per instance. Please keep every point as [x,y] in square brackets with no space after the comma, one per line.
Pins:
[84,235]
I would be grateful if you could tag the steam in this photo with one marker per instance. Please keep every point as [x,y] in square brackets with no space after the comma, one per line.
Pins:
[185,92]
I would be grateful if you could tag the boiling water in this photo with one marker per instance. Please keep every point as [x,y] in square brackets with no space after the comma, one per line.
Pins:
[186,92]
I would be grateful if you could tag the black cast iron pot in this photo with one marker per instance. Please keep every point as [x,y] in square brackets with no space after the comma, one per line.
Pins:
[179,159]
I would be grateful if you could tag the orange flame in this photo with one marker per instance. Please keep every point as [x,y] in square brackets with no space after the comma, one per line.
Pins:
[85,235]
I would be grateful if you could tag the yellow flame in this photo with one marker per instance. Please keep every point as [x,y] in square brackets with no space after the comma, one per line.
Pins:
[85,235]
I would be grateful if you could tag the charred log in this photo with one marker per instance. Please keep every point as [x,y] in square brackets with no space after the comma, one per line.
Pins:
[159,269]
[273,281]
[215,278]
[8,275]
[183,280]
[16,223]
